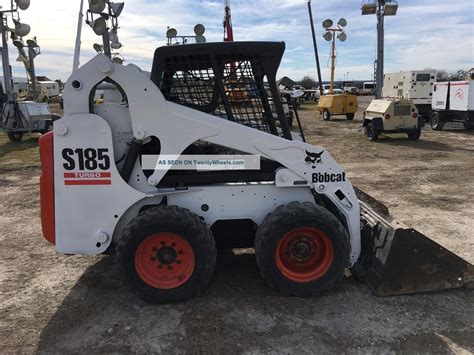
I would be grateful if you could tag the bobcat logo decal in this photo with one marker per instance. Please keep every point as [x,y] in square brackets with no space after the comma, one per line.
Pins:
[313,158]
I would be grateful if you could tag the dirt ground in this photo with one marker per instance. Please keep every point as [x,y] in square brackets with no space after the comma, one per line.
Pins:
[52,303]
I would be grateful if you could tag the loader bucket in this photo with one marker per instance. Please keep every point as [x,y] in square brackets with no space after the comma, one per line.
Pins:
[397,260]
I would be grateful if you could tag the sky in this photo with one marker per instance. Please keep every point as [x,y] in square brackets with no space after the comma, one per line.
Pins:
[424,34]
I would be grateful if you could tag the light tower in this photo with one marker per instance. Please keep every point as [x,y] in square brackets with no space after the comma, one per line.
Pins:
[102,16]
[20,30]
[331,35]
[382,8]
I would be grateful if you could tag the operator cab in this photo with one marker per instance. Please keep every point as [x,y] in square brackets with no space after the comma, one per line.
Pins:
[232,80]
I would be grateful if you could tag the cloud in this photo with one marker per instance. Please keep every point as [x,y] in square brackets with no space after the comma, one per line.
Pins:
[424,33]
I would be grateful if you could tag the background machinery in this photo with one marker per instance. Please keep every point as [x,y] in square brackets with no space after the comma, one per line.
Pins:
[305,219]
[416,85]
[392,116]
[333,104]
[19,117]
[453,101]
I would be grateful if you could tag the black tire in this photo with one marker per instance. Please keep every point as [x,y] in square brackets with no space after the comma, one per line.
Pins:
[372,133]
[326,115]
[414,135]
[49,128]
[15,137]
[469,126]
[436,121]
[157,222]
[350,116]
[274,231]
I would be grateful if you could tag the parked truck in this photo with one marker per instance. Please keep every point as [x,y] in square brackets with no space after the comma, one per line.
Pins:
[453,102]
[415,85]
[368,88]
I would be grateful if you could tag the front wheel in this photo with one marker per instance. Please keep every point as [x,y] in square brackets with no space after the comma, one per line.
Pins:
[436,122]
[167,254]
[15,137]
[414,135]
[372,133]
[326,115]
[301,249]
[350,116]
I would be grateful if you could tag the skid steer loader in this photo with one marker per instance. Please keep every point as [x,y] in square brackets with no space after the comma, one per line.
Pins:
[299,211]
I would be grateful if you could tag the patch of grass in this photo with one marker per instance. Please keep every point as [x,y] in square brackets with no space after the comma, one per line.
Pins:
[308,105]
[24,152]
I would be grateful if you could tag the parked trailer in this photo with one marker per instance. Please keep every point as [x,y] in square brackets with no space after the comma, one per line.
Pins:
[392,116]
[47,90]
[453,102]
[368,88]
[415,85]
[25,116]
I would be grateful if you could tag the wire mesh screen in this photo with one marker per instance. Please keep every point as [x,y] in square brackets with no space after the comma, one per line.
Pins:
[228,86]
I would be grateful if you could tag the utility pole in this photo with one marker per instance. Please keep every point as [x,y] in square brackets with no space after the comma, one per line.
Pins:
[315,45]
[380,49]
[77,51]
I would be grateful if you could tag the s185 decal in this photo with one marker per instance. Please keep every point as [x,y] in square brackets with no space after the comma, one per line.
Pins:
[86,159]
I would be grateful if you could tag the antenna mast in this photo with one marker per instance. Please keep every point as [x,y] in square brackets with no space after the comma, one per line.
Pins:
[228,31]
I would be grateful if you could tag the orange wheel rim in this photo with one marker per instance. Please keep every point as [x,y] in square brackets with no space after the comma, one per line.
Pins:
[164,261]
[304,254]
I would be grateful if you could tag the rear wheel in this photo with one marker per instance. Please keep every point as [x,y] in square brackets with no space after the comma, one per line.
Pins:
[350,116]
[436,121]
[372,133]
[469,126]
[167,253]
[15,136]
[49,128]
[326,115]
[301,249]
[414,135]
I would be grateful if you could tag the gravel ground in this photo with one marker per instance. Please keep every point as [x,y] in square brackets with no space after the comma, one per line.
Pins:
[52,303]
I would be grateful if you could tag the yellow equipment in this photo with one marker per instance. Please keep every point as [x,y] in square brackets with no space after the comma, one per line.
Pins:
[331,105]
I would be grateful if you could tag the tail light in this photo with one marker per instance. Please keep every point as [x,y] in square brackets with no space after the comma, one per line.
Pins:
[387,116]
[47,187]
[414,115]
